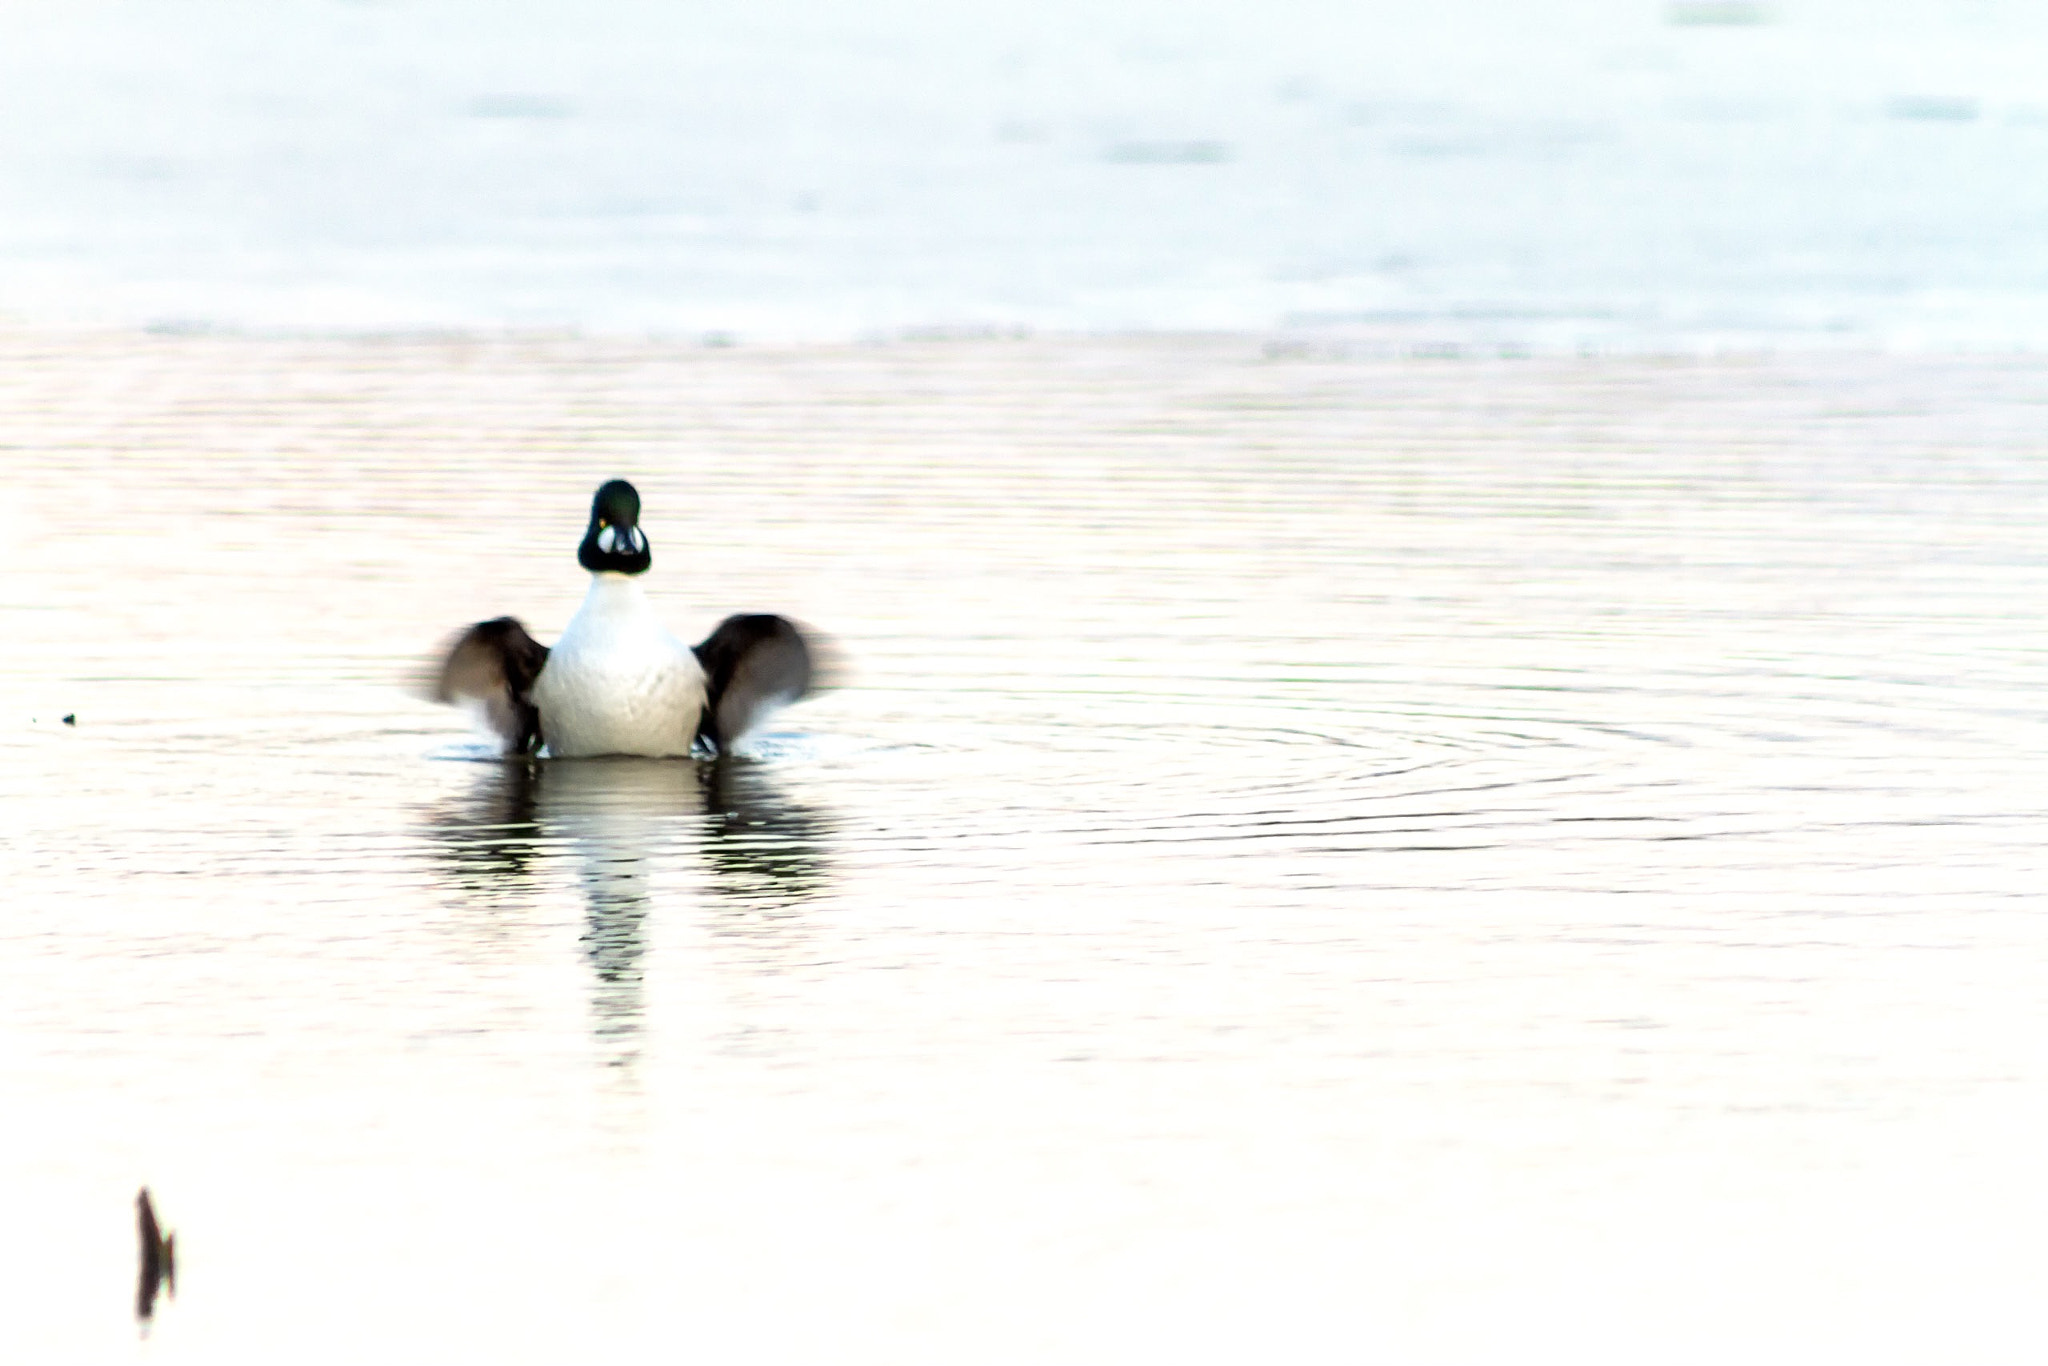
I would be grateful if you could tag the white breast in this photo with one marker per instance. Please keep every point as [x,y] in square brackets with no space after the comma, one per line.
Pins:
[617,682]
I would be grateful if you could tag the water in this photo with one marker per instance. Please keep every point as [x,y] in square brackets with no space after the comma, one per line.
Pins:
[1611,175]
[1311,859]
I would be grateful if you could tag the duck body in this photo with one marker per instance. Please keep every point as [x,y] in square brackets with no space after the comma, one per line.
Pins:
[617,682]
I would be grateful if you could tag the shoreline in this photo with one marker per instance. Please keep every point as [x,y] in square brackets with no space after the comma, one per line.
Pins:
[1282,342]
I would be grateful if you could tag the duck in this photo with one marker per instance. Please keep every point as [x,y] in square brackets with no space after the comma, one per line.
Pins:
[617,682]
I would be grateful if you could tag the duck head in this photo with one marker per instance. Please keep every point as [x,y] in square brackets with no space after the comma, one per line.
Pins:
[615,544]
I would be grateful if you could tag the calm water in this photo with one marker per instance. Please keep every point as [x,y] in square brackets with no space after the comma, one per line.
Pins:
[1610,174]
[1311,860]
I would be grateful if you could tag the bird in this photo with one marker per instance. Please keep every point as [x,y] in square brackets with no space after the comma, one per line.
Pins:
[617,682]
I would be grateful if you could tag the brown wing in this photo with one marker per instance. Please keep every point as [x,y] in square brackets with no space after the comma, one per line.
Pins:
[752,665]
[496,663]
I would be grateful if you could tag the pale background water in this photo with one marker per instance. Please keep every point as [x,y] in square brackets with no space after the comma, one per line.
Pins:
[1366,834]
[1480,173]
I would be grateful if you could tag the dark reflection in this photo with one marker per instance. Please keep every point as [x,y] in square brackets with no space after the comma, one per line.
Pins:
[764,849]
[616,817]
[489,836]
[159,1259]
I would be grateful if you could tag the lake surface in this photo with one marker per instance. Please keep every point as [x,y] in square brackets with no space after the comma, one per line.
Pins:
[1612,175]
[1309,859]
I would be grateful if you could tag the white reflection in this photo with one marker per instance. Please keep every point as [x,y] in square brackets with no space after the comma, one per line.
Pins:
[618,821]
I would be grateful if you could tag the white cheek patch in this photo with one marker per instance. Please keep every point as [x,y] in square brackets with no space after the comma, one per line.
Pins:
[606,540]
[639,541]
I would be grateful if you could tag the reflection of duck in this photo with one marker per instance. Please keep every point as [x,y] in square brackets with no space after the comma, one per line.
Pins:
[489,836]
[617,682]
[619,817]
[764,848]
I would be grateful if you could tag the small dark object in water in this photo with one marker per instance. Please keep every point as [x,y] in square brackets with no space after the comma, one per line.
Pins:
[70,718]
[159,1258]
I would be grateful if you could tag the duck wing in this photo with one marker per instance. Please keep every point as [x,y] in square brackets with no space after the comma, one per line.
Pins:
[753,663]
[495,663]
